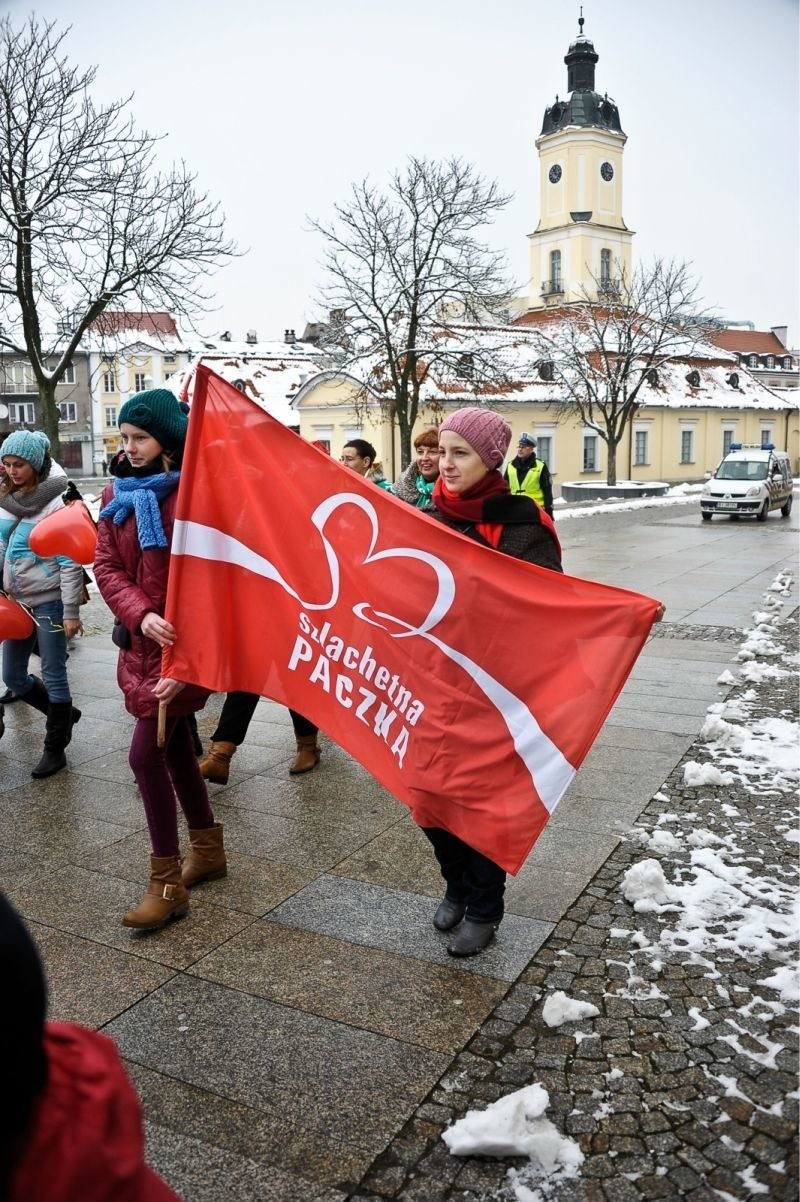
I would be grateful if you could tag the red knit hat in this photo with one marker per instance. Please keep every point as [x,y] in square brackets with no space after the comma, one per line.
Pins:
[487,432]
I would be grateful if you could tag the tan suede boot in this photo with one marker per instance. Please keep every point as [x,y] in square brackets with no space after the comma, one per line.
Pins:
[216,765]
[206,859]
[308,753]
[166,897]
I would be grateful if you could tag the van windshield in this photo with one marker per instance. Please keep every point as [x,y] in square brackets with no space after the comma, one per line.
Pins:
[741,469]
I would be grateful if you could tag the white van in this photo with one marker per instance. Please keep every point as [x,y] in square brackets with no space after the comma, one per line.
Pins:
[750,480]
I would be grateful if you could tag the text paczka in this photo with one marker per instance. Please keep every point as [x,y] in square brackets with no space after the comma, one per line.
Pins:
[320,650]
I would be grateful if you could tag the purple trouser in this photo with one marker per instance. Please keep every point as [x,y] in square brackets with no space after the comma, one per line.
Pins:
[164,774]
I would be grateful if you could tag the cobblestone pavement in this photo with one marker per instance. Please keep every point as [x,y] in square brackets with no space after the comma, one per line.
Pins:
[686,1084]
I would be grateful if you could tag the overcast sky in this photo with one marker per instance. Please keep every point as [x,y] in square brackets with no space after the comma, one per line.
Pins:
[280,106]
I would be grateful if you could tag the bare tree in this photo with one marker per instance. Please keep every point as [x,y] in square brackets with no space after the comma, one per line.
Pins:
[405,267]
[86,218]
[604,352]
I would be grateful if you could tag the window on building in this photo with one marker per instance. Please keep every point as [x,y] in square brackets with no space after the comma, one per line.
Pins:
[766,436]
[687,446]
[590,452]
[69,375]
[787,362]
[752,360]
[555,270]
[21,377]
[111,415]
[22,414]
[169,358]
[727,439]
[544,448]
[168,375]
[640,448]
[770,362]
[68,411]
[605,266]
[109,382]
[465,368]
[139,381]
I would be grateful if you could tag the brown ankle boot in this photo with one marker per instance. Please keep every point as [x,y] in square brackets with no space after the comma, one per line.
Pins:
[216,765]
[308,753]
[206,859]
[166,896]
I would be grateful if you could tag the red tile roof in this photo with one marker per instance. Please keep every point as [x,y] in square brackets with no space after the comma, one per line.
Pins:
[749,342]
[160,324]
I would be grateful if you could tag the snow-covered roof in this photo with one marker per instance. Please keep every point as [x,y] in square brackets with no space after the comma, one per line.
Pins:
[721,383]
[271,373]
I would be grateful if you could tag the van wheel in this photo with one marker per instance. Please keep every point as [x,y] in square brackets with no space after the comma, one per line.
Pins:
[763,512]
[786,509]
[706,516]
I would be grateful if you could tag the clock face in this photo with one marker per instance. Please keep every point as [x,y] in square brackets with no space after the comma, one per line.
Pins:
[554,174]
[607,171]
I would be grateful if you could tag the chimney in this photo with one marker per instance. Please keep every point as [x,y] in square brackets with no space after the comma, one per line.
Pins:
[251,337]
[225,336]
[288,336]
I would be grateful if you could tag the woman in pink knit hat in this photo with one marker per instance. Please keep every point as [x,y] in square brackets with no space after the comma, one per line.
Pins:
[471,496]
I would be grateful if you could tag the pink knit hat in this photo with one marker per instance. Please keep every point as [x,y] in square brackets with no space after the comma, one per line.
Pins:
[487,432]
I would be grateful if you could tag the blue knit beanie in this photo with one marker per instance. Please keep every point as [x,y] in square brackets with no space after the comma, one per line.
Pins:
[160,413]
[30,445]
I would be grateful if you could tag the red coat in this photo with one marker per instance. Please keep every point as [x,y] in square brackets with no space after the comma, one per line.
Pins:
[133,583]
[86,1142]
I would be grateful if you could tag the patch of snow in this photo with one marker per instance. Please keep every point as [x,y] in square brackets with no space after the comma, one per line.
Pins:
[559,1008]
[695,775]
[515,1126]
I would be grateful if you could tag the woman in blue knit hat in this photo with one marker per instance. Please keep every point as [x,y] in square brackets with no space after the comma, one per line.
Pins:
[50,587]
[131,569]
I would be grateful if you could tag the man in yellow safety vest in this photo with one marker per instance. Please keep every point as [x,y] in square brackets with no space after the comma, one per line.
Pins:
[530,476]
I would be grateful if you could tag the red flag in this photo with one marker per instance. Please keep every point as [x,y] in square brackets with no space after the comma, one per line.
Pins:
[470,684]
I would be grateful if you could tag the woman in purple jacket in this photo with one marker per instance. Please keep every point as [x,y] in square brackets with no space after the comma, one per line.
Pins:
[131,568]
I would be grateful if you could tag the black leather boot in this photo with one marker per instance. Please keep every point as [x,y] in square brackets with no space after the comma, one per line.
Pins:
[59,727]
[38,699]
[472,937]
[449,914]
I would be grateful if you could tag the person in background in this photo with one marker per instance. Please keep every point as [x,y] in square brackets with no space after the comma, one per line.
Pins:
[359,455]
[528,476]
[237,713]
[131,568]
[473,497]
[50,587]
[70,1120]
[415,485]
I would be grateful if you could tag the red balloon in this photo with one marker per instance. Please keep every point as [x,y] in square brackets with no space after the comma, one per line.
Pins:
[15,622]
[69,531]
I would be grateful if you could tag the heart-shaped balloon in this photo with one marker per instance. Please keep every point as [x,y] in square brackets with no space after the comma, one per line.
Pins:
[15,622]
[69,531]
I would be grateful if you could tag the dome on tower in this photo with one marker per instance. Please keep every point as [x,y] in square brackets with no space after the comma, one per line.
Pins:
[583,106]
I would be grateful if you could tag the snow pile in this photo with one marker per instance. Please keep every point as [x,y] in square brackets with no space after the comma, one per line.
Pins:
[762,752]
[645,886]
[515,1126]
[715,899]
[724,907]
[559,1009]
[696,775]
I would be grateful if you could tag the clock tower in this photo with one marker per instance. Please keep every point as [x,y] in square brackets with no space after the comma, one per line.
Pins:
[581,246]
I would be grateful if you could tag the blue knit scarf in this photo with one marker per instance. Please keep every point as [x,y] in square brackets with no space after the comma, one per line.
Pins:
[141,496]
